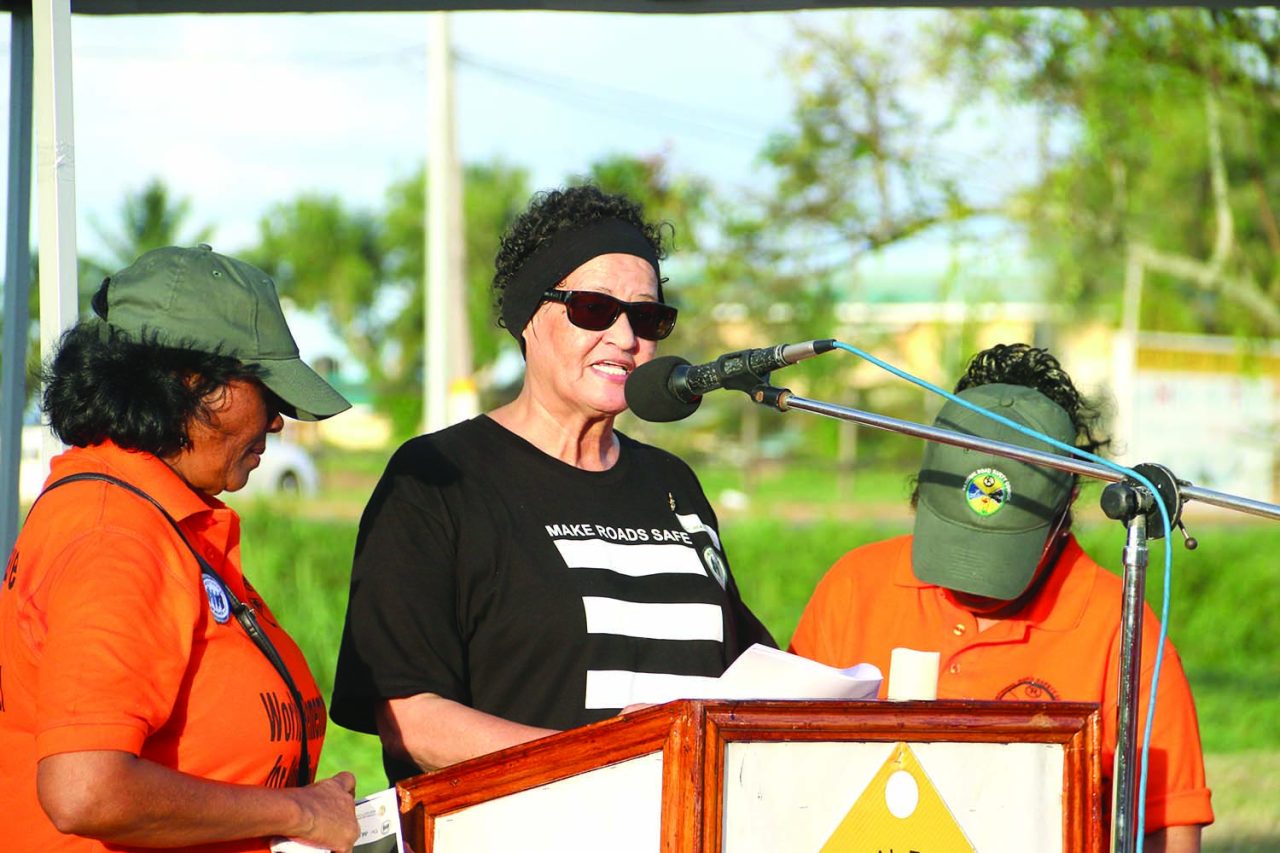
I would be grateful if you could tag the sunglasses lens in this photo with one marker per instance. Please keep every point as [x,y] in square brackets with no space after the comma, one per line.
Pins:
[596,312]
[651,320]
[592,311]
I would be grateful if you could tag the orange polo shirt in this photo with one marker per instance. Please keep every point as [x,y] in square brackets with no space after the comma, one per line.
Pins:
[109,641]
[1065,646]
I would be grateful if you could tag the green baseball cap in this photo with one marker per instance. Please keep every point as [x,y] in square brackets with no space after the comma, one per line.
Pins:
[198,299]
[982,520]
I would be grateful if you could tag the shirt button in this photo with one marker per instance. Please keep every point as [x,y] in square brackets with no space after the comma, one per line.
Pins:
[958,629]
[954,668]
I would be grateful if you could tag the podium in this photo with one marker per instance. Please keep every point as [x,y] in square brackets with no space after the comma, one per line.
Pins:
[711,775]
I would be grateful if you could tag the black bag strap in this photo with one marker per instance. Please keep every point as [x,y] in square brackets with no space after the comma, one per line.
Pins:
[244,613]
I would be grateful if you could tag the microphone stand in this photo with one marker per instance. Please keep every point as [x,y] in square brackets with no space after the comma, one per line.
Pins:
[1124,499]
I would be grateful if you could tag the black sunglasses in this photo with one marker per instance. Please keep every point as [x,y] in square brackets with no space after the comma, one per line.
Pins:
[595,312]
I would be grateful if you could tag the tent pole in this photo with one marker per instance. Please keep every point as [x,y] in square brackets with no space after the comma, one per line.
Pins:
[17,273]
[55,179]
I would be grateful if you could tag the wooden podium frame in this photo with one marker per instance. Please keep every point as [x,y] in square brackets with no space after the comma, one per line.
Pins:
[692,736]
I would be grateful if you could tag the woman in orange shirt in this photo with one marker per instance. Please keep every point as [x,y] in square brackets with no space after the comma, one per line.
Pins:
[148,698]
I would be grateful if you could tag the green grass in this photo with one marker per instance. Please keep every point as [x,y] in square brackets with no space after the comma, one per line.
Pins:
[1224,616]
[1246,790]
[813,490]
[302,568]
[1223,609]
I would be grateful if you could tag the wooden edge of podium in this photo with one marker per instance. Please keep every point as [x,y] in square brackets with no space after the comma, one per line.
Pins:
[1082,789]
[693,735]
[527,766]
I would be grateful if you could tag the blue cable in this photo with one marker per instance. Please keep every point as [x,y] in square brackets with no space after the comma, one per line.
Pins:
[1168,549]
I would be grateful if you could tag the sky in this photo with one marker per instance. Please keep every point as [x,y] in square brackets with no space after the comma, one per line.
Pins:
[236,112]
[239,112]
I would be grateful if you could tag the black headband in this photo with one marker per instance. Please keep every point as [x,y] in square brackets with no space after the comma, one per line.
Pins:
[561,255]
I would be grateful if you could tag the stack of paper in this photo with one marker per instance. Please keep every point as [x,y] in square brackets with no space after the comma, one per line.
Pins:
[765,673]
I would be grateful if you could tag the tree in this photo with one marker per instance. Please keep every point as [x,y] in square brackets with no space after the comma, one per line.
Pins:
[685,203]
[681,200]
[330,259]
[1155,130]
[860,167]
[150,218]
[857,170]
[362,271]
[493,194]
[1171,118]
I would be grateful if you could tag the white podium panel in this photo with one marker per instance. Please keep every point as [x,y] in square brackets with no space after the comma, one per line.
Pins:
[615,808]
[1004,797]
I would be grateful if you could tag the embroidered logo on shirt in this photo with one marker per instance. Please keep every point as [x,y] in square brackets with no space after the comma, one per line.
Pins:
[219,604]
[1029,690]
[986,491]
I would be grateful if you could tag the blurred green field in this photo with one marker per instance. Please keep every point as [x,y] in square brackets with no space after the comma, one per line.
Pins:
[1225,610]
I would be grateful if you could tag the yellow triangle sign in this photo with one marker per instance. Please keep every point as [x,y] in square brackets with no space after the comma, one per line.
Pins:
[899,812]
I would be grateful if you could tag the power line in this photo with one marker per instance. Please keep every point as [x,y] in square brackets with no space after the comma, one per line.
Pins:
[643,107]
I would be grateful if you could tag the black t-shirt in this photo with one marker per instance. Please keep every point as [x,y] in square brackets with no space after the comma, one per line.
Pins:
[493,574]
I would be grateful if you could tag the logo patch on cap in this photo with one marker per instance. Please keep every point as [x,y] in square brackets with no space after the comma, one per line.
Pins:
[219,604]
[986,491]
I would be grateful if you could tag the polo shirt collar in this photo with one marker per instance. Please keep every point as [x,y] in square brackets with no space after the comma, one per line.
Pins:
[1061,603]
[138,468]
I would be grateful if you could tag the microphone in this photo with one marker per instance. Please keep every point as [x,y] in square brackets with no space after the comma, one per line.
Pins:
[669,388]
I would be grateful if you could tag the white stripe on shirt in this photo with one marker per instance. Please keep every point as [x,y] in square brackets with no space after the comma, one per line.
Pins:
[616,688]
[632,560]
[689,621]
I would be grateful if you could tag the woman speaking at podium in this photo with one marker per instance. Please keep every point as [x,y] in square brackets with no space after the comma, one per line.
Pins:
[533,569]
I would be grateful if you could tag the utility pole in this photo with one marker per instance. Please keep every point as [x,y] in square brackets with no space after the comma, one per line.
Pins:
[447,347]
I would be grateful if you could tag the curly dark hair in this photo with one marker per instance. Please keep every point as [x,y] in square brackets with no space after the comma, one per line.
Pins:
[1033,367]
[101,384]
[553,211]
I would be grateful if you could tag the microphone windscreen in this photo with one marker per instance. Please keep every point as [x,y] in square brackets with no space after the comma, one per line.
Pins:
[649,394]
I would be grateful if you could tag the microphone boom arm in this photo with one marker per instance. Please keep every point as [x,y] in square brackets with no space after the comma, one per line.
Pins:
[783,400]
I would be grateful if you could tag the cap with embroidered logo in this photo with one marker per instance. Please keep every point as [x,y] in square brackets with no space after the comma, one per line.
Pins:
[982,520]
[199,299]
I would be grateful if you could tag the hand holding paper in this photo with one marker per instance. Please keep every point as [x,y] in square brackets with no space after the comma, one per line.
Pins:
[378,816]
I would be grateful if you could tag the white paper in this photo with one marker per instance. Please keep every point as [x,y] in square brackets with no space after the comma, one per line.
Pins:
[765,673]
[762,672]
[378,816]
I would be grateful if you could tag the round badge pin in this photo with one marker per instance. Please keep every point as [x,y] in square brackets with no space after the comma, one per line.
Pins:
[986,491]
[219,604]
[715,565]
